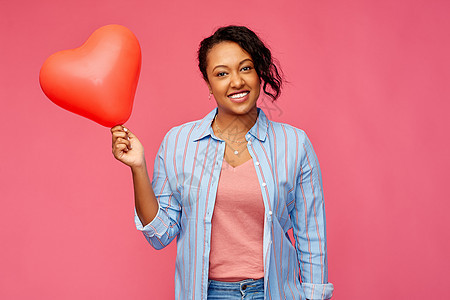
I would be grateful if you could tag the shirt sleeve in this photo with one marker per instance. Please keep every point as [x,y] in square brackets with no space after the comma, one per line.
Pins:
[309,225]
[166,224]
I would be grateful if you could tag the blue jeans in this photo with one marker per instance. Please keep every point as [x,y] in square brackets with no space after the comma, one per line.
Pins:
[249,289]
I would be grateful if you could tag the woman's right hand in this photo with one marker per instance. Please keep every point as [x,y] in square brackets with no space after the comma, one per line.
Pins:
[126,147]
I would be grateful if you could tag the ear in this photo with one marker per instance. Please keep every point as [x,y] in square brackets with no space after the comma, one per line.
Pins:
[209,87]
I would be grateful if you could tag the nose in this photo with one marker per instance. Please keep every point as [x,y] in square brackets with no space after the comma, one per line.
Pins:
[237,81]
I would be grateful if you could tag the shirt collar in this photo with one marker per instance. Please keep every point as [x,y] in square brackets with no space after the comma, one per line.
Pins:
[204,129]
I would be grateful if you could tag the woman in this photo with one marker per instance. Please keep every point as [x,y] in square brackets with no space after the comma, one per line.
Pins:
[231,185]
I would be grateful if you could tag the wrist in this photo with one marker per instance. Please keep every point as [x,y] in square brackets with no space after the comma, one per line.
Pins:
[139,168]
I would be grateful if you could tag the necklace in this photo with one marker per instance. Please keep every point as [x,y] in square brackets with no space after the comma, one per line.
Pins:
[221,135]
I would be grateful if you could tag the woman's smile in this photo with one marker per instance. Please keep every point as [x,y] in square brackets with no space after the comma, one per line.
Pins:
[239,97]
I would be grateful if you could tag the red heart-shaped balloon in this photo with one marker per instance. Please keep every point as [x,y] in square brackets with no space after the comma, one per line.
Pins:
[97,80]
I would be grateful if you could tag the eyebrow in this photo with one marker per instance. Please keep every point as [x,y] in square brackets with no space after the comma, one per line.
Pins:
[247,59]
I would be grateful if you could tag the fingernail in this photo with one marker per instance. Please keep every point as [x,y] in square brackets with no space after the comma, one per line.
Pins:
[125,129]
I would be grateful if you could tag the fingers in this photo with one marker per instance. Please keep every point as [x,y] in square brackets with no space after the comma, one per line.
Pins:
[120,147]
[120,136]
[126,147]
[119,150]
[125,141]
[119,128]
[129,133]
[119,131]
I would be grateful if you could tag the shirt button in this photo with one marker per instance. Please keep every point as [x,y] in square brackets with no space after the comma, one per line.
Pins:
[270,212]
[264,184]
[257,163]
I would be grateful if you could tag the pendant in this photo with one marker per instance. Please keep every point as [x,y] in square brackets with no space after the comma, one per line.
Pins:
[236,152]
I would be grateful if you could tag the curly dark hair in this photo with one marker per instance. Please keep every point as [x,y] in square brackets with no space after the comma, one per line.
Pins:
[248,40]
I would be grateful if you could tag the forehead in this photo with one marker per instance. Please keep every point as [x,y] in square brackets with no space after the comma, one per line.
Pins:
[226,53]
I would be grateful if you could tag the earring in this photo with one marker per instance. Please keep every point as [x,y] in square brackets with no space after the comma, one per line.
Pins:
[209,96]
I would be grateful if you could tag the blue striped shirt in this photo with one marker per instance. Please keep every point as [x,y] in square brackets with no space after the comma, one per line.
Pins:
[185,179]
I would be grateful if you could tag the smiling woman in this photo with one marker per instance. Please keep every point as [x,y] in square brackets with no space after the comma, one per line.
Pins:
[231,185]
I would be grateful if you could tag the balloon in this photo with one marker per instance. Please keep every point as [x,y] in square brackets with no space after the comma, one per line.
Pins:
[97,80]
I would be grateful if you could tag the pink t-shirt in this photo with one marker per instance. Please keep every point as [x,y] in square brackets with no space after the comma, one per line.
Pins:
[237,225]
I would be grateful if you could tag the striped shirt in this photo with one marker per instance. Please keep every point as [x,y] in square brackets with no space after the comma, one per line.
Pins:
[185,179]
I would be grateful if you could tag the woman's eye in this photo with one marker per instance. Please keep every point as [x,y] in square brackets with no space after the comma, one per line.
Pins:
[246,69]
[221,74]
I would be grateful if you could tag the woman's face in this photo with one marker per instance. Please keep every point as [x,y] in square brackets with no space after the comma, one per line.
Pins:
[232,79]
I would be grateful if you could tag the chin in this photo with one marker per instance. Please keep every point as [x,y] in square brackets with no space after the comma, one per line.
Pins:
[244,111]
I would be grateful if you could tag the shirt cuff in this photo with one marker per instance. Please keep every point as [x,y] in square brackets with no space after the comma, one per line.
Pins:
[318,291]
[156,227]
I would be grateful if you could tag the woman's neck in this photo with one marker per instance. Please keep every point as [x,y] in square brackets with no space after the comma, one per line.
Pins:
[234,126]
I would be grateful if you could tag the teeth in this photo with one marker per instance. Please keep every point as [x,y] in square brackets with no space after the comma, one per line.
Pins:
[240,95]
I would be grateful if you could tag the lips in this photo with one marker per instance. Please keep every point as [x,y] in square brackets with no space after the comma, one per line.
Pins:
[239,96]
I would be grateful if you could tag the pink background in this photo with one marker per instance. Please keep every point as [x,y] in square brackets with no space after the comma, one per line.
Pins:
[369,83]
